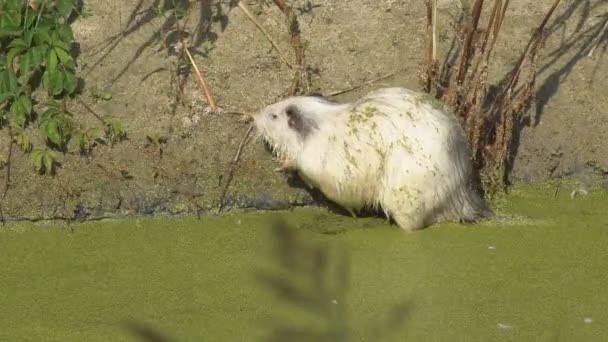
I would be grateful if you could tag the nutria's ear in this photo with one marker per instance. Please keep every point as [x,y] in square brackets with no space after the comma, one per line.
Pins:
[297,121]
[294,118]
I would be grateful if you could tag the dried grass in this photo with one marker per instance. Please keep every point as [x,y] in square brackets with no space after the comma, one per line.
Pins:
[487,116]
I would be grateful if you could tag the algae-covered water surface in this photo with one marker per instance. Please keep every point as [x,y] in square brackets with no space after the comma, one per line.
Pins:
[539,272]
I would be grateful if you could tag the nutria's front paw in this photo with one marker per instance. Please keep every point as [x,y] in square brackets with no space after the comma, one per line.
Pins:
[285,166]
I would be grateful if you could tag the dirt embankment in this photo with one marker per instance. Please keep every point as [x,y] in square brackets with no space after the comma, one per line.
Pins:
[349,43]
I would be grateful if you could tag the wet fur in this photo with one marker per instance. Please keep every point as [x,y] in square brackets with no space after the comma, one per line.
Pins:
[392,150]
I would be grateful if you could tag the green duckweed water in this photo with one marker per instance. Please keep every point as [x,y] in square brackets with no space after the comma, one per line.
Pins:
[539,274]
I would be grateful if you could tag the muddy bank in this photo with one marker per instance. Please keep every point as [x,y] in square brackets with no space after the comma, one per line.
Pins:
[563,136]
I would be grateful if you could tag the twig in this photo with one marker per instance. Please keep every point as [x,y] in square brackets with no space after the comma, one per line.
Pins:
[7,182]
[201,79]
[235,160]
[245,116]
[274,45]
[296,42]
[434,41]
[97,116]
[365,84]
[599,38]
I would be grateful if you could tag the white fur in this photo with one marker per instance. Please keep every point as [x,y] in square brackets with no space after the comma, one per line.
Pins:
[394,149]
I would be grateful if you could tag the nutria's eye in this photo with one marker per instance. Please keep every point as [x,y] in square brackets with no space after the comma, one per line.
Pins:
[273,116]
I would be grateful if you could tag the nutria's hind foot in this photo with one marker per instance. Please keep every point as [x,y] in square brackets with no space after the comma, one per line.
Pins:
[351,212]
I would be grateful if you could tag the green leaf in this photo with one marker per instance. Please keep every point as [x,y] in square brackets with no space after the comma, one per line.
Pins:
[29,20]
[51,64]
[64,7]
[23,141]
[58,43]
[37,159]
[25,68]
[70,82]
[56,83]
[48,159]
[14,52]
[26,103]
[65,58]
[53,133]
[95,133]
[37,54]
[18,42]
[5,96]
[53,82]
[19,111]
[10,19]
[56,105]
[65,32]
[42,36]
[8,82]
[14,5]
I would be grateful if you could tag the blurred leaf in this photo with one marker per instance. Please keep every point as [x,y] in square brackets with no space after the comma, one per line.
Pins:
[8,82]
[26,103]
[37,159]
[53,82]
[18,42]
[70,82]
[64,7]
[65,58]
[51,64]
[5,96]
[10,31]
[23,141]
[12,53]
[37,54]
[42,36]
[52,132]
[20,110]
[48,158]
[95,133]
[65,32]
[25,68]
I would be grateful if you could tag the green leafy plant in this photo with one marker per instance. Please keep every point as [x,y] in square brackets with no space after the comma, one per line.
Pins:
[36,42]
[87,138]
[57,125]
[115,130]
[44,160]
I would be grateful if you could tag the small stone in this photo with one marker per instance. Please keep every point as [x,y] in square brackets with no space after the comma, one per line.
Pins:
[588,320]
[503,326]
[491,247]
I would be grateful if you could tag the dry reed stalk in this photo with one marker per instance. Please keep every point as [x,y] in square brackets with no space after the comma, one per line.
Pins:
[202,81]
[259,26]
[489,121]
[298,45]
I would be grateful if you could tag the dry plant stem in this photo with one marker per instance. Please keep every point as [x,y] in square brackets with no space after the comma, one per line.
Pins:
[7,182]
[90,110]
[274,45]
[235,161]
[533,45]
[364,84]
[599,38]
[434,41]
[296,42]
[470,33]
[202,81]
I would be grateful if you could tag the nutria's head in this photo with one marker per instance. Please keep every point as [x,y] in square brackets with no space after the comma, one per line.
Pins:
[288,124]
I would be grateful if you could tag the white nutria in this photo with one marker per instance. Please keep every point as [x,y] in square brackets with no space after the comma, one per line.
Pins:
[394,148]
